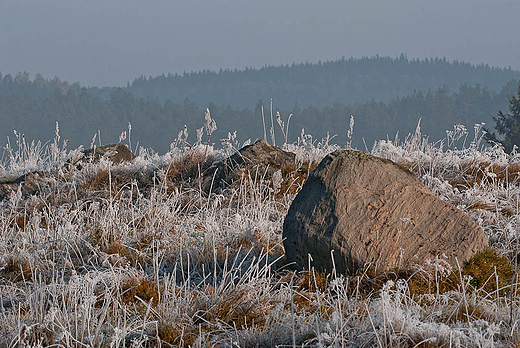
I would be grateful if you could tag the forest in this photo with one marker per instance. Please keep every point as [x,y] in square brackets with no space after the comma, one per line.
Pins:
[384,95]
[344,81]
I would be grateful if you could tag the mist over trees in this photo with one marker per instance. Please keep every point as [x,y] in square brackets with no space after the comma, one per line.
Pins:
[33,106]
[345,81]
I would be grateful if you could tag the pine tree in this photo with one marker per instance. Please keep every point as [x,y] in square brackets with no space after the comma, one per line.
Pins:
[508,124]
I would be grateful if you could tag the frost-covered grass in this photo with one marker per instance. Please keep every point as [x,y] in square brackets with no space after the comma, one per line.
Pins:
[140,255]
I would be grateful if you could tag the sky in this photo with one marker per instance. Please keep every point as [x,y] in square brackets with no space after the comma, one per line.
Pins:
[111,42]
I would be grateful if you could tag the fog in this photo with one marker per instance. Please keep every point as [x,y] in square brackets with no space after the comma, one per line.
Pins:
[110,42]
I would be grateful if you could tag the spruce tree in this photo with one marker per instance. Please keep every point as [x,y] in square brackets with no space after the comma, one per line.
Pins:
[508,124]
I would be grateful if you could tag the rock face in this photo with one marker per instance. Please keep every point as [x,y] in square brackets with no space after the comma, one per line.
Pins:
[117,153]
[371,210]
[261,154]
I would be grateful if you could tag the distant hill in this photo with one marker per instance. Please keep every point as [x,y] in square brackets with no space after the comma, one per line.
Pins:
[344,81]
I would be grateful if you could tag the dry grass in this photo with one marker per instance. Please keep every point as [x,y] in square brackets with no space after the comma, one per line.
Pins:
[294,176]
[15,269]
[140,291]
[188,170]
[105,256]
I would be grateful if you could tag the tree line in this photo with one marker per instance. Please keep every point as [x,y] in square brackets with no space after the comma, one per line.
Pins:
[346,81]
[33,106]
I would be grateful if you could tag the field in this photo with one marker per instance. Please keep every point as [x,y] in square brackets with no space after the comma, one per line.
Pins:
[142,255]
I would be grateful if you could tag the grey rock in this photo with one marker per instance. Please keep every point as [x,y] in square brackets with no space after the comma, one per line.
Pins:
[369,210]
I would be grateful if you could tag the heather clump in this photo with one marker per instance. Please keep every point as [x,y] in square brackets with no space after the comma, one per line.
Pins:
[142,254]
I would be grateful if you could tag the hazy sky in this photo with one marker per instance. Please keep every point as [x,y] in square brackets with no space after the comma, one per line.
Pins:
[110,42]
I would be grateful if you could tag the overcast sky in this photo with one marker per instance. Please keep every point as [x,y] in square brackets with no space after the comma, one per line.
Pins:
[110,42]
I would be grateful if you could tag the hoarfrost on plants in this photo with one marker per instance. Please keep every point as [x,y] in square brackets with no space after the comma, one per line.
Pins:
[140,255]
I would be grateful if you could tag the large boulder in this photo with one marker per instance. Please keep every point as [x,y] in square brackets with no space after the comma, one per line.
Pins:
[369,210]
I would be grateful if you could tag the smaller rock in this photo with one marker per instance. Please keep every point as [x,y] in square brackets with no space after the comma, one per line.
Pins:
[30,183]
[261,155]
[261,152]
[117,153]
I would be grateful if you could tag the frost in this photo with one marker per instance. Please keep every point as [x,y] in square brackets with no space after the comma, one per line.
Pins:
[102,265]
